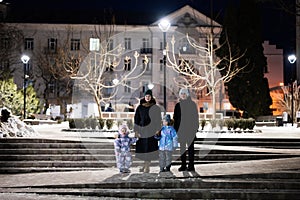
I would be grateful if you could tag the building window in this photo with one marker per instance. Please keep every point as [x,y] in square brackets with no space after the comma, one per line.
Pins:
[161,65]
[127,86]
[146,43]
[127,44]
[28,44]
[110,68]
[52,44]
[4,65]
[110,45]
[4,43]
[94,44]
[75,44]
[127,64]
[145,87]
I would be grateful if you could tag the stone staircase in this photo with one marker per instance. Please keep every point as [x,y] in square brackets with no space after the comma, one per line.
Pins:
[45,155]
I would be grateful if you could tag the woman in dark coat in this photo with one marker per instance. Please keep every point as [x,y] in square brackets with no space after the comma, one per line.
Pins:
[186,123]
[147,121]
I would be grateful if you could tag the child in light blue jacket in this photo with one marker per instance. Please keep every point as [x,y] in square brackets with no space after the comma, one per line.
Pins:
[168,142]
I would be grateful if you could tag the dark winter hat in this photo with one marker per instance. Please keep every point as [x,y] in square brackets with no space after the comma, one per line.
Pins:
[167,118]
[148,92]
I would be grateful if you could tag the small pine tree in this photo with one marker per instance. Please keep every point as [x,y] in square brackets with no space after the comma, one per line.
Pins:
[13,98]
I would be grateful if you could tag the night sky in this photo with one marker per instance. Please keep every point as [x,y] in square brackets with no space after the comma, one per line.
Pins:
[278,26]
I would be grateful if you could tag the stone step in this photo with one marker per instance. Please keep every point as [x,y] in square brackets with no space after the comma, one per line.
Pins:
[175,189]
[50,151]
[251,143]
[75,145]
[108,149]
[91,157]
[95,163]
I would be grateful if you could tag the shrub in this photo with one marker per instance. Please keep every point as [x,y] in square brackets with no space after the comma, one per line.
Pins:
[71,123]
[250,123]
[221,123]
[213,123]
[79,123]
[229,123]
[101,123]
[202,124]
[109,123]
[93,123]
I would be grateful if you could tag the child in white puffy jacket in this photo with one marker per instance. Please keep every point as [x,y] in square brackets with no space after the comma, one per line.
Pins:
[122,149]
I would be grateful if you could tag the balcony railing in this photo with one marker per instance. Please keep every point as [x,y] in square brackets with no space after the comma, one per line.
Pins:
[146,51]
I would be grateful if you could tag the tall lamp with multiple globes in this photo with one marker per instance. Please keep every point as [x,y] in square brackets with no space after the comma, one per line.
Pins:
[292,59]
[164,26]
[25,59]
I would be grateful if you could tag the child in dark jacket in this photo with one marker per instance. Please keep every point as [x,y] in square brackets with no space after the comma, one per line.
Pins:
[122,149]
[167,144]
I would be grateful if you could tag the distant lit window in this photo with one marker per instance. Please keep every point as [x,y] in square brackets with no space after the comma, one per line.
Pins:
[94,44]
[29,44]
[75,44]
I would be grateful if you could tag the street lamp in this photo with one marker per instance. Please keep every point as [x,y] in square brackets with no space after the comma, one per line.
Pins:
[25,59]
[116,82]
[150,86]
[292,59]
[164,26]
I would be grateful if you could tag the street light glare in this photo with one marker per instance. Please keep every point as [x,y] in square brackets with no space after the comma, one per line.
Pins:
[115,81]
[150,86]
[164,25]
[292,58]
[25,59]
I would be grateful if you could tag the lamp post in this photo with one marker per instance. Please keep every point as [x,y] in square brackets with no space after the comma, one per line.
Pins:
[115,82]
[292,59]
[25,59]
[164,26]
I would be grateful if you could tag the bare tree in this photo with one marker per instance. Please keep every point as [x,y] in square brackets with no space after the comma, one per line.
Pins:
[89,71]
[102,70]
[284,99]
[204,72]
